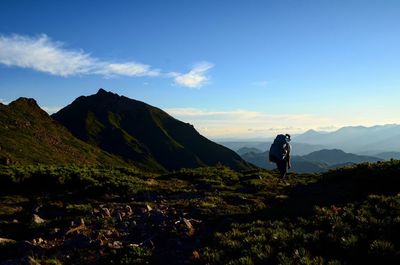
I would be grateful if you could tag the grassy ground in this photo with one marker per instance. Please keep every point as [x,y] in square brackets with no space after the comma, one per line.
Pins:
[87,215]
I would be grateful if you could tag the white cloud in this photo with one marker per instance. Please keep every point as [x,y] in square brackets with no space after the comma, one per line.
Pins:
[195,78]
[42,54]
[127,69]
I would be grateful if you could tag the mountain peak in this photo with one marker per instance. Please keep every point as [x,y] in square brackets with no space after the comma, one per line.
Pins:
[103,92]
[311,131]
[141,133]
[25,102]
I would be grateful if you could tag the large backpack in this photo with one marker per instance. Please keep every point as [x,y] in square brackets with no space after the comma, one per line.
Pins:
[277,151]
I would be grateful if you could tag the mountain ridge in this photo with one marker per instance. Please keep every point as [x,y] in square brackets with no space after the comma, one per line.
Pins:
[357,139]
[136,131]
[30,135]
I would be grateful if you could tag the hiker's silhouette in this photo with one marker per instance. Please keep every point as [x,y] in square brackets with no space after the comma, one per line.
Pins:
[279,153]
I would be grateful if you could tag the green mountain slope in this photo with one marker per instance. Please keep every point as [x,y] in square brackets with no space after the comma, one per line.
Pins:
[142,133]
[29,135]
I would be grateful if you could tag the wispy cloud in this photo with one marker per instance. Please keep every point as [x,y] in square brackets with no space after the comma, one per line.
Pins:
[127,69]
[195,78]
[43,54]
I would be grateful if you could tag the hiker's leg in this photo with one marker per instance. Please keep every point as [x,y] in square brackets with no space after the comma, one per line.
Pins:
[282,169]
[285,168]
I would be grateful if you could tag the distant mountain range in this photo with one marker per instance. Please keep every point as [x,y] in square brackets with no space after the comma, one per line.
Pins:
[357,139]
[140,133]
[318,161]
[298,148]
[338,157]
[245,150]
[382,141]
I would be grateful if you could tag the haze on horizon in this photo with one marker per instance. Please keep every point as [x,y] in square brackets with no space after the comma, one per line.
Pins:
[234,69]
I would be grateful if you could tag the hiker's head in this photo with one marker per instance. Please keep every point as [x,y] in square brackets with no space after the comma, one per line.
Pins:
[287,137]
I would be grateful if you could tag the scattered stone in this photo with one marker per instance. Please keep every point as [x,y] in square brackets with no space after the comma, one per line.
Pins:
[7,241]
[37,219]
[106,212]
[195,254]
[115,244]
[148,207]
[189,227]
[128,210]
[77,229]
[37,241]
[187,223]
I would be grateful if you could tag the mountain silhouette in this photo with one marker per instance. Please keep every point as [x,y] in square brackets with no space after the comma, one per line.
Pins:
[143,134]
[245,150]
[336,157]
[318,161]
[242,147]
[356,139]
[29,135]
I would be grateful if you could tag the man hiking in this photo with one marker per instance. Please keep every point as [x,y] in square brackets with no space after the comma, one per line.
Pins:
[279,153]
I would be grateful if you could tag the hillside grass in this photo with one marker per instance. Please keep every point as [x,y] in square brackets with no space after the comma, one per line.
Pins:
[211,215]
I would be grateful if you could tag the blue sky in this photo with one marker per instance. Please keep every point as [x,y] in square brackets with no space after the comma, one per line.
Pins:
[241,69]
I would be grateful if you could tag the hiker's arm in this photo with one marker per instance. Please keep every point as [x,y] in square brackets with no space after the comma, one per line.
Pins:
[289,158]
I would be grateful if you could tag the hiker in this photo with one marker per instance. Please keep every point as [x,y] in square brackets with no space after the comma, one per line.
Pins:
[279,153]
